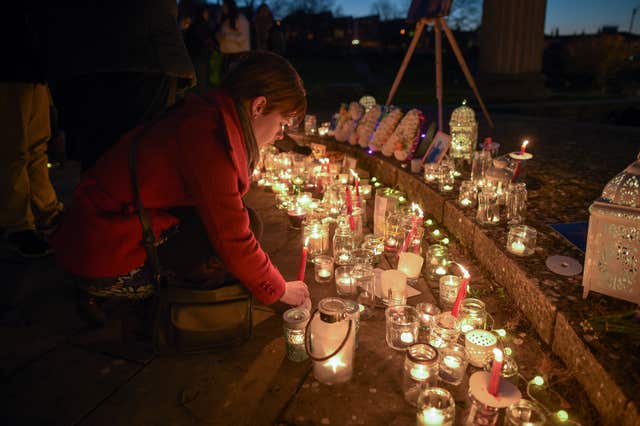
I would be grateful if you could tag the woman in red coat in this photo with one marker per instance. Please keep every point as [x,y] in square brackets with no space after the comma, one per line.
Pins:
[198,157]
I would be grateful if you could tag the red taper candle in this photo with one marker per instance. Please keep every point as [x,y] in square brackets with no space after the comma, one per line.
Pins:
[496,372]
[303,261]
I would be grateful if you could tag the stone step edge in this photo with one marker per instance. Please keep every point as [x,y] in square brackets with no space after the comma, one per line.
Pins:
[552,326]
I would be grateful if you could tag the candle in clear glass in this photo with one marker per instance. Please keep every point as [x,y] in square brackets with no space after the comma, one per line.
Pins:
[524,412]
[363,280]
[401,326]
[449,285]
[479,165]
[392,281]
[323,268]
[343,178]
[358,225]
[431,172]
[488,209]
[316,234]
[436,407]
[374,245]
[472,315]
[453,363]
[344,282]
[296,215]
[426,313]
[304,199]
[420,370]
[365,191]
[479,345]
[436,261]
[342,244]
[516,203]
[353,313]
[467,194]
[444,330]
[410,264]
[295,321]
[446,178]
[521,240]
[361,257]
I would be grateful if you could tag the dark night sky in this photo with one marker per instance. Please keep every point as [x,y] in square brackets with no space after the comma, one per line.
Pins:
[570,16]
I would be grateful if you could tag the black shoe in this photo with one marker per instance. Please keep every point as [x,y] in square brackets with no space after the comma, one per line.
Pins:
[89,308]
[28,244]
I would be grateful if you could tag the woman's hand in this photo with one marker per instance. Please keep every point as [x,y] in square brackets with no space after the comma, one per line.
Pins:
[296,293]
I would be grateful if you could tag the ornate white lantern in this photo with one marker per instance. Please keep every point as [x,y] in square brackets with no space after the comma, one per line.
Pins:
[464,132]
[612,264]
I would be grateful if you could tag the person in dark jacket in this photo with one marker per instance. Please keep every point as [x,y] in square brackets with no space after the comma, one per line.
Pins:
[200,157]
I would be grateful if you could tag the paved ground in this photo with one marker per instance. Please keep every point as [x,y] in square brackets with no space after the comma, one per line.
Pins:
[55,371]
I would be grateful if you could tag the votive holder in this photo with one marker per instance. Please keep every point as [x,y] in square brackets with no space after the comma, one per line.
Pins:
[467,195]
[524,412]
[361,257]
[363,280]
[426,314]
[472,315]
[323,268]
[344,281]
[410,264]
[453,363]
[437,261]
[401,326]
[488,208]
[375,246]
[479,345]
[431,172]
[449,285]
[516,203]
[446,178]
[436,406]
[444,330]
[295,321]
[521,240]
[420,370]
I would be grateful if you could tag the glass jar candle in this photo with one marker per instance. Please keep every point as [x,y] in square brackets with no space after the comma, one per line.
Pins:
[431,171]
[323,268]
[411,265]
[304,199]
[446,178]
[284,201]
[488,209]
[332,342]
[479,345]
[467,194]
[361,257]
[479,165]
[437,262]
[363,280]
[401,326]
[444,330]
[521,240]
[481,413]
[472,315]
[393,286]
[420,370]
[516,203]
[453,363]
[344,282]
[524,412]
[426,313]
[316,235]
[295,322]
[393,231]
[342,244]
[449,286]
[374,245]
[436,407]
[353,313]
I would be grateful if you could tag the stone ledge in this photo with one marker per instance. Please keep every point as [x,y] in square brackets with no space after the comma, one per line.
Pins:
[546,299]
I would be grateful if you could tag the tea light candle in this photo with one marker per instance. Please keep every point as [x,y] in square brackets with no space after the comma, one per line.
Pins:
[419,373]
[343,178]
[465,202]
[452,361]
[431,417]
[517,247]
[324,273]
[406,337]
[344,281]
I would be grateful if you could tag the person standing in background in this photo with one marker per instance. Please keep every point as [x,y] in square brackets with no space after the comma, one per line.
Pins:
[234,35]
[263,22]
[200,44]
[26,193]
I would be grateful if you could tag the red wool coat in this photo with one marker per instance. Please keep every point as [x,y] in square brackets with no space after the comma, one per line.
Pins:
[183,160]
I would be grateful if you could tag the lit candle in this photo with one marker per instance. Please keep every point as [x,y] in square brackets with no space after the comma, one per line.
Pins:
[356,179]
[465,202]
[496,372]
[431,417]
[447,187]
[406,337]
[451,361]
[344,257]
[462,291]
[441,270]
[517,247]
[419,373]
[324,273]
[303,260]
[523,147]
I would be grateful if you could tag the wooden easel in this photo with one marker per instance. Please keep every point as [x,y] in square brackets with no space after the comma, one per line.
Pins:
[439,23]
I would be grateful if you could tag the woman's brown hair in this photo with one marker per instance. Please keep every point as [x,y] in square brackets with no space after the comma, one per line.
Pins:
[260,73]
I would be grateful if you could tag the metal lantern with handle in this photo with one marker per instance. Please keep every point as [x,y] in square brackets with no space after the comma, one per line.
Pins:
[612,260]
[330,341]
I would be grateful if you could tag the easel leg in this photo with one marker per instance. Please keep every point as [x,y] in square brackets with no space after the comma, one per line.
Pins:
[405,62]
[463,65]
[438,35]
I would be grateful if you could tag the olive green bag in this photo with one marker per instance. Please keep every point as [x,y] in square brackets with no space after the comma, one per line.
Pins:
[189,320]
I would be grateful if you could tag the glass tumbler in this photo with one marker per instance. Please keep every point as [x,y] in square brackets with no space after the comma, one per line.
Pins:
[516,203]
[363,280]
[295,322]
[453,363]
[467,194]
[420,370]
[524,412]
[323,268]
[444,330]
[401,326]
[431,172]
[449,286]
[344,281]
[436,406]
[488,208]
[426,313]
[437,261]
[521,240]
[446,178]
[472,315]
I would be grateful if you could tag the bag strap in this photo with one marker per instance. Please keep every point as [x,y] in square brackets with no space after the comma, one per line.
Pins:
[148,239]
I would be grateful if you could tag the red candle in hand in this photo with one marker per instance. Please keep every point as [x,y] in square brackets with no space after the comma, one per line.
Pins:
[496,372]
[303,261]
[462,291]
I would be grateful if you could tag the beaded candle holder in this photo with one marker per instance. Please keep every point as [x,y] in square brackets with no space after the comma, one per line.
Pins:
[479,345]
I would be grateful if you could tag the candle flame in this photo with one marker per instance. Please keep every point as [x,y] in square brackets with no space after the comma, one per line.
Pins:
[335,362]
[525,143]
[465,274]
[497,355]
[415,207]
[354,174]
[306,242]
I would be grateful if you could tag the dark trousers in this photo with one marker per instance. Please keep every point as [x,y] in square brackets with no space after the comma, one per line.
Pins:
[97,109]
